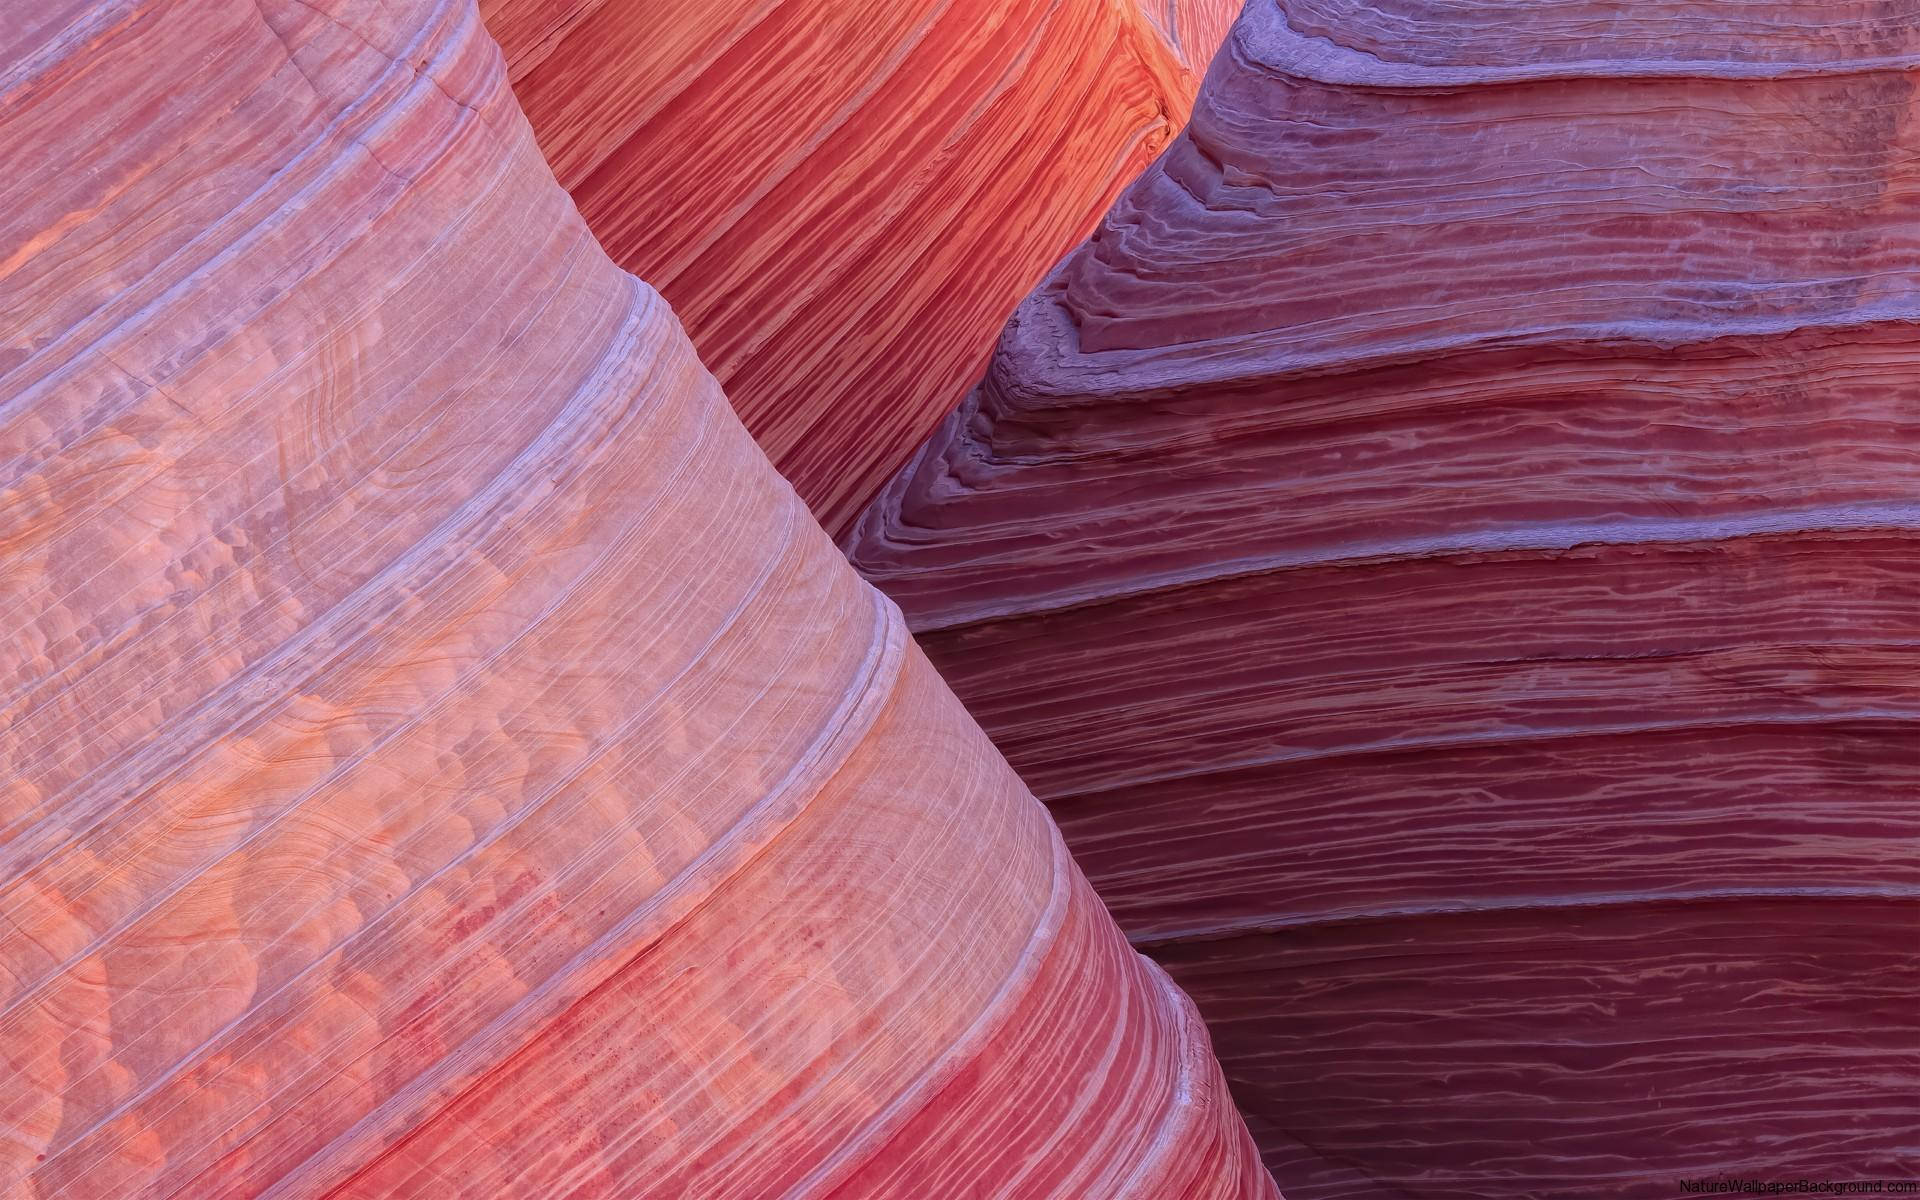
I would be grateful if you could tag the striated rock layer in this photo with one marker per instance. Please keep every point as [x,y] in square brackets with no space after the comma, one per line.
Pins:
[1445,550]
[843,199]
[443,758]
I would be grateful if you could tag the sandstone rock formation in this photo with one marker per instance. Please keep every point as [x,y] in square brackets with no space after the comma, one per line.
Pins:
[443,758]
[843,199]
[1445,550]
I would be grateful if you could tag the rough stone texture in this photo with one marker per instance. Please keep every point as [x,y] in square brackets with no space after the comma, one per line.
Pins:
[1445,551]
[443,758]
[843,199]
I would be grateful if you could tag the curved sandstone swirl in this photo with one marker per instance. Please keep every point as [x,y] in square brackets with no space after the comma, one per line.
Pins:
[1445,550]
[443,758]
[843,199]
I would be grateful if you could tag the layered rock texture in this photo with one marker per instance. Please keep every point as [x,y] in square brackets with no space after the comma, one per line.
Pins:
[843,199]
[1445,550]
[443,758]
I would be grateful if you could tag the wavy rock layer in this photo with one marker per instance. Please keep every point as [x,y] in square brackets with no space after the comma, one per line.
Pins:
[843,199]
[444,758]
[1445,550]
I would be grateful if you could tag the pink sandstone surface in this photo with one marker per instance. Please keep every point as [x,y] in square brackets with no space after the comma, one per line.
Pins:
[1444,550]
[843,199]
[443,758]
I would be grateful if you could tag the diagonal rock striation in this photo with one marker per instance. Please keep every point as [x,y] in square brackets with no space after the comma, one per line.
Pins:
[843,201]
[442,757]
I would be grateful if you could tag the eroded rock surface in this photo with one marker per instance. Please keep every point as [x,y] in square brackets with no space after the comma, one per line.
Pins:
[843,199]
[1445,550]
[442,757]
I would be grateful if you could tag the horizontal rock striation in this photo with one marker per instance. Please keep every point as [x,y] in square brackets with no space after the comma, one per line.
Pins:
[843,199]
[1446,552]
[442,757]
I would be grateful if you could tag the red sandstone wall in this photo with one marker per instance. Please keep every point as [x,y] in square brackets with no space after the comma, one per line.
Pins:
[1445,552]
[442,757]
[843,201]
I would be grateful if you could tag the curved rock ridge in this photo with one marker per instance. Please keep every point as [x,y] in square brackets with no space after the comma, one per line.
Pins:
[1414,42]
[1445,550]
[843,199]
[444,758]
